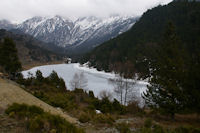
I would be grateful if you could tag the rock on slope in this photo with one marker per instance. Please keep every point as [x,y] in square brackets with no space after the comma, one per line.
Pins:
[11,92]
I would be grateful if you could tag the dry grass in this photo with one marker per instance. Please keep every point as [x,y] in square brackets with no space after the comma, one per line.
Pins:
[180,119]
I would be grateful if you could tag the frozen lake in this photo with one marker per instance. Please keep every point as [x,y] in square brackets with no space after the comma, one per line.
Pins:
[97,80]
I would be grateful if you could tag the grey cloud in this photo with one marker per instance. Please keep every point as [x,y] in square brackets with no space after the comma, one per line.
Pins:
[18,10]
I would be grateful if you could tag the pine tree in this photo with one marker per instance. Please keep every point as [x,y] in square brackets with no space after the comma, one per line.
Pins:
[191,82]
[168,71]
[56,81]
[8,58]
[39,77]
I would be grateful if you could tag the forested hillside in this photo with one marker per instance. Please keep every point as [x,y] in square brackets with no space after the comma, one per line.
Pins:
[139,43]
[29,49]
[164,46]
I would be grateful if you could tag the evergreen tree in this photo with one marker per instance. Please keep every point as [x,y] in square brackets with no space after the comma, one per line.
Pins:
[91,94]
[166,91]
[8,58]
[39,75]
[191,82]
[57,81]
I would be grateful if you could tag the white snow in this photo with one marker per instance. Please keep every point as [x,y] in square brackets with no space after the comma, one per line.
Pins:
[97,80]
[98,111]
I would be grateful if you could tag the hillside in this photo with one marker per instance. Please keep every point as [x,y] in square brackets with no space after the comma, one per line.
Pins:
[30,50]
[140,41]
[11,92]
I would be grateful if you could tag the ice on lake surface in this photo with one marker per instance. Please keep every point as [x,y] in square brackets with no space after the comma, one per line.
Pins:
[97,80]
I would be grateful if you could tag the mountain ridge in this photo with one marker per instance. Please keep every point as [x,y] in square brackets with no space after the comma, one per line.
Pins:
[80,34]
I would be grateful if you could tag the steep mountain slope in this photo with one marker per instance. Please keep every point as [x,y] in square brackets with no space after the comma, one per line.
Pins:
[30,50]
[146,33]
[54,29]
[83,33]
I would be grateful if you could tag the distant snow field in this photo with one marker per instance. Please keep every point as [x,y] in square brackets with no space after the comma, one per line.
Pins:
[97,80]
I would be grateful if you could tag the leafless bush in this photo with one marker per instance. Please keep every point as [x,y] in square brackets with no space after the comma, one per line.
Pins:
[79,81]
[124,88]
[105,94]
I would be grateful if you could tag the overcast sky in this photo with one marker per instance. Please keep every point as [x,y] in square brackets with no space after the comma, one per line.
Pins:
[19,10]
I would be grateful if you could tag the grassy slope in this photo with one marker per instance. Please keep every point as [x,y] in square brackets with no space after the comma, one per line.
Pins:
[12,93]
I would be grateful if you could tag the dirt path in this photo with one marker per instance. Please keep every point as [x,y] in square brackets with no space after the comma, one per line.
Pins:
[11,92]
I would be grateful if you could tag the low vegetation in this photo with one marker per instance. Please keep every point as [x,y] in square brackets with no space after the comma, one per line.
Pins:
[83,105]
[150,127]
[37,121]
[123,128]
[78,103]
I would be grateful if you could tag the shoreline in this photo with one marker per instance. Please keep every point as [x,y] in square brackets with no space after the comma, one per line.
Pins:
[38,64]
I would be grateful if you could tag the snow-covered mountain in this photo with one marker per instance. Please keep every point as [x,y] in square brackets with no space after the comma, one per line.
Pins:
[83,33]
[79,35]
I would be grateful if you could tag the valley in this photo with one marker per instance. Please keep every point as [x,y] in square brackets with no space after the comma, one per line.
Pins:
[103,67]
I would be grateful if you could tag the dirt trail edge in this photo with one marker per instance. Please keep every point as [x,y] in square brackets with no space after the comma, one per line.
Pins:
[11,92]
